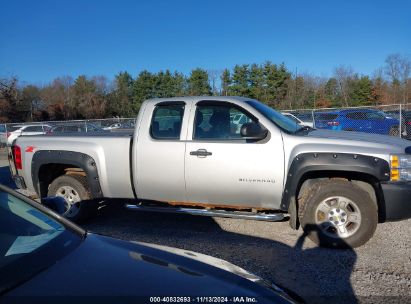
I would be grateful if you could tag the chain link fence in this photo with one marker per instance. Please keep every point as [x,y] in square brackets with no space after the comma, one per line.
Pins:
[394,120]
[9,132]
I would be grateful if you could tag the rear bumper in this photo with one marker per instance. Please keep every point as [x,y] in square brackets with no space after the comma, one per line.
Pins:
[397,198]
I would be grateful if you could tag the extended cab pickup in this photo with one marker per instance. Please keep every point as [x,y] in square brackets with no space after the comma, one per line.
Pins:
[189,155]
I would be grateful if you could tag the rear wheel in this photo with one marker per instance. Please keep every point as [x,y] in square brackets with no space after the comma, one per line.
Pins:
[75,191]
[338,214]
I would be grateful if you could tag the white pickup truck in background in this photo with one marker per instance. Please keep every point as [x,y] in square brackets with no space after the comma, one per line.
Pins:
[191,155]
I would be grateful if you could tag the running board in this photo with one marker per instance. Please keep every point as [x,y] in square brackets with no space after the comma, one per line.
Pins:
[275,217]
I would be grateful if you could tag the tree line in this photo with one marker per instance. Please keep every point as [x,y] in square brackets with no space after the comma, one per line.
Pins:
[274,84]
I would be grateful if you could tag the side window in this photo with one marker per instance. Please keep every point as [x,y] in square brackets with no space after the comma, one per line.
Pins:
[28,129]
[166,121]
[375,116]
[219,122]
[356,115]
[33,129]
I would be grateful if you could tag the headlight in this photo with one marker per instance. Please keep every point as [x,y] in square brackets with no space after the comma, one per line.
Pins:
[400,166]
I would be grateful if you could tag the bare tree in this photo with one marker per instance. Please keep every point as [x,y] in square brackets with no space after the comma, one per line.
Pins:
[344,74]
[213,76]
[58,97]
[392,66]
[8,88]
[99,101]
[397,68]
[405,75]
[8,98]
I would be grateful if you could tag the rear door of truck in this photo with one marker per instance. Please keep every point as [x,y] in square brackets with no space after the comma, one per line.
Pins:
[159,151]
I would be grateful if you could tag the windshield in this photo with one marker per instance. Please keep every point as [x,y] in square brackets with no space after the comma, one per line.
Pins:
[30,241]
[293,118]
[277,118]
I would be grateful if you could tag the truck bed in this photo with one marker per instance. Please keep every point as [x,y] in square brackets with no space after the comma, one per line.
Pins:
[111,152]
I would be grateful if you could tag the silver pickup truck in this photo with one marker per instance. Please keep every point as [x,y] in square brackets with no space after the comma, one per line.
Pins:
[189,155]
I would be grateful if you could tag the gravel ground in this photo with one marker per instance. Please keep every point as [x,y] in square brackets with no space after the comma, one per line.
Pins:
[378,272]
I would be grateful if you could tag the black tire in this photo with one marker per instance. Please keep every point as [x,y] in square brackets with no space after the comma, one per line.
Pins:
[326,192]
[85,207]
[394,131]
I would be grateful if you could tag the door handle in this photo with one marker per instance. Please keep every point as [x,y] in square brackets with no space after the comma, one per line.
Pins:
[201,153]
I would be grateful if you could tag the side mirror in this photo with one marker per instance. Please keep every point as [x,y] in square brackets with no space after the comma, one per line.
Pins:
[253,130]
[55,203]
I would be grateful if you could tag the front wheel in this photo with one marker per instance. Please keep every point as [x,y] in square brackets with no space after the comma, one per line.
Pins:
[338,214]
[75,191]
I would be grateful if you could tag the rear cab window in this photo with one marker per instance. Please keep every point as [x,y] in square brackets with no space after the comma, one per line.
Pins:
[167,120]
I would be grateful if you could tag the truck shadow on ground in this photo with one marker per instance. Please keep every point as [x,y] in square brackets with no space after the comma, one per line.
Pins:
[318,275]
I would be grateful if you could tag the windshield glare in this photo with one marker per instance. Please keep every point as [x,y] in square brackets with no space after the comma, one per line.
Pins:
[30,240]
[285,123]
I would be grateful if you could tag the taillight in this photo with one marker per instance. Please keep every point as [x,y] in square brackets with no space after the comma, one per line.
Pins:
[17,157]
[409,123]
[333,123]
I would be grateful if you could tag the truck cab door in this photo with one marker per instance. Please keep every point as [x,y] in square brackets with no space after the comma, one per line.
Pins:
[224,169]
[158,152]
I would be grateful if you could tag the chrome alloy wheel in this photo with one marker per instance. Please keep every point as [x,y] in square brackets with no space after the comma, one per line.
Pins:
[338,217]
[72,199]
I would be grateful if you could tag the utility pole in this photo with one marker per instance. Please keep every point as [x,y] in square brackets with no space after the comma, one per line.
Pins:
[295,85]
[31,110]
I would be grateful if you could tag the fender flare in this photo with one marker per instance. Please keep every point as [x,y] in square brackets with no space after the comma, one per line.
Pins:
[77,159]
[343,162]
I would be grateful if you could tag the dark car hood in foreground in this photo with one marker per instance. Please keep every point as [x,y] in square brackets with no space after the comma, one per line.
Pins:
[103,266]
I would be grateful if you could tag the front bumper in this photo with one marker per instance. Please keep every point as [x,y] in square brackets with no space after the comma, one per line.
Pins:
[397,198]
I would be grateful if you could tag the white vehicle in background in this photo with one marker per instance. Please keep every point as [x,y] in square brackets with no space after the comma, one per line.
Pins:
[17,130]
[297,120]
